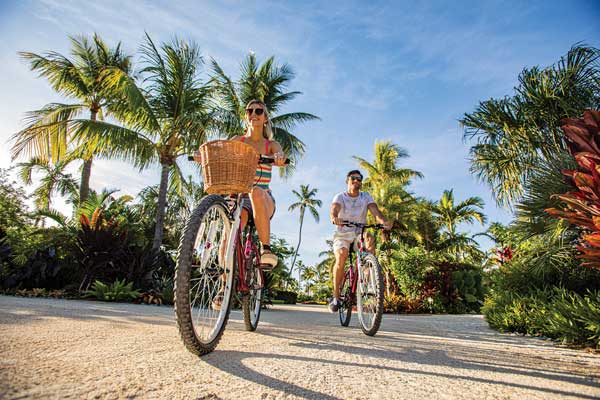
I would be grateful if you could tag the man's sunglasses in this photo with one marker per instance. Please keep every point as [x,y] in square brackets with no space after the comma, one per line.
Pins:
[257,111]
[356,178]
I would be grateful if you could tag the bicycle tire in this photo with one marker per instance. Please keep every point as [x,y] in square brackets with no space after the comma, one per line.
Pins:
[183,304]
[376,286]
[345,310]
[252,301]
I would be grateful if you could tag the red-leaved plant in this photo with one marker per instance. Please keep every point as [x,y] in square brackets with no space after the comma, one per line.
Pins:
[582,205]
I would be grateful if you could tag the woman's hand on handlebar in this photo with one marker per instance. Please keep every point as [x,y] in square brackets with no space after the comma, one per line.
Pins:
[278,162]
[279,159]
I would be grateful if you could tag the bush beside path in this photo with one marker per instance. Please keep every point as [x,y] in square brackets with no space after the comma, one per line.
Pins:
[79,349]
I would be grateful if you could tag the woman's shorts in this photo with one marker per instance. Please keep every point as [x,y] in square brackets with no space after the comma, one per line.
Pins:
[247,204]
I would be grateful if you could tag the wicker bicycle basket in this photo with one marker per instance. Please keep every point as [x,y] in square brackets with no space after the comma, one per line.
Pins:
[228,166]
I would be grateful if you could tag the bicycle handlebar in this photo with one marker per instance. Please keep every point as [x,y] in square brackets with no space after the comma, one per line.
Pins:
[359,225]
[261,160]
[270,160]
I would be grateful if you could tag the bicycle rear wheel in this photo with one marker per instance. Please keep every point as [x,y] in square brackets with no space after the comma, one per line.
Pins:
[252,301]
[369,295]
[204,277]
[345,310]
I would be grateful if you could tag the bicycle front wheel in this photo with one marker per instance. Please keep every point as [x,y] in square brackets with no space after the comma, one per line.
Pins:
[204,277]
[369,295]
[345,310]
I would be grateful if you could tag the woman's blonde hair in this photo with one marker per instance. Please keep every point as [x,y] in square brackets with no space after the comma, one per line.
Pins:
[268,127]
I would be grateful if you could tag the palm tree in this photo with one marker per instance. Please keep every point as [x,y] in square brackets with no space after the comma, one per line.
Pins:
[420,227]
[516,134]
[309,273]
[48,134]
[450,215]
[388,185]
[161,122]
[301,268]
[386,182]
[180,203]
[266,82]
[280,276]
[305,200]
[54,180]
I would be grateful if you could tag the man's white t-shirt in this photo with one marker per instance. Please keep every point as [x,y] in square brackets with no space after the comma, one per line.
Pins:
[354,209]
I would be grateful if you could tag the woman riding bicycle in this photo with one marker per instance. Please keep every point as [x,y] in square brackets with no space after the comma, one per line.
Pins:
[260,202]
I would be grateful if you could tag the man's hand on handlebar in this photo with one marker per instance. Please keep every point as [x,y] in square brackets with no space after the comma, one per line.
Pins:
[197,156]
[387,225]
[337,221]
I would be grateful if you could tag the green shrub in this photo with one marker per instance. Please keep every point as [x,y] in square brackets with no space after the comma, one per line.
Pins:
[167,291]
[469,288]
[287,296]
[117,291]
[557,313]
[393,303]
[410,268]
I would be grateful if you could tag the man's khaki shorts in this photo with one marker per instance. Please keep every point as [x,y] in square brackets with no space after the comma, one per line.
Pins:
[343,240]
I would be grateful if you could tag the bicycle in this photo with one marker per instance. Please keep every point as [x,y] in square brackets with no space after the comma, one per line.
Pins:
[362,285]
[212,262]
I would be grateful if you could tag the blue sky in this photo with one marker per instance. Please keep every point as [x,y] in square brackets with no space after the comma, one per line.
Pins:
[398,70]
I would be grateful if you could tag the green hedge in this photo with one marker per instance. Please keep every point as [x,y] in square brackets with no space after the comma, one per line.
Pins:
[559,314]
[286,296]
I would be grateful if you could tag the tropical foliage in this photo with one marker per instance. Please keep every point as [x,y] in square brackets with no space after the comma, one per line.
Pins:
[537,149]
[268,83]
[515,134]
[305,201]
[48,135]
[163,120]
[538,282]
[581,205]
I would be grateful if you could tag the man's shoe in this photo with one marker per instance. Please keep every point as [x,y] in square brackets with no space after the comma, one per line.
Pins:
[334,305]
[217,301]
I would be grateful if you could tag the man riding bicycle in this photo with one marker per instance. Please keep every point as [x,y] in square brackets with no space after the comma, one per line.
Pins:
[352,206]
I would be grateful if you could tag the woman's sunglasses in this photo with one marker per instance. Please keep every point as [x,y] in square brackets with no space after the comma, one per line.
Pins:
[356,178]
[257,111]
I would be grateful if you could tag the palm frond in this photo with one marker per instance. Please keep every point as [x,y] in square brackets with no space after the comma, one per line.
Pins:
[47,134]
[116,142]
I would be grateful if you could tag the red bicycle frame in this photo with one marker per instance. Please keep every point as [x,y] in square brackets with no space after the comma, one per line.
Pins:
[352,273]
[243,258]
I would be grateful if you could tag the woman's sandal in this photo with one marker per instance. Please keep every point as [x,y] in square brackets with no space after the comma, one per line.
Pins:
[268,260]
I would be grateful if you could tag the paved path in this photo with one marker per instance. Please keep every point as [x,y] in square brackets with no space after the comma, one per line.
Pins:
[79,349]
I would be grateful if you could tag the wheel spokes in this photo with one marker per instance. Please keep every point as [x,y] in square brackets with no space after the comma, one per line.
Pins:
[209,274]
[367,295]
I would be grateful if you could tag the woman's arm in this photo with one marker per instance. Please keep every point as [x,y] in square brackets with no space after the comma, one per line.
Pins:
[276,151]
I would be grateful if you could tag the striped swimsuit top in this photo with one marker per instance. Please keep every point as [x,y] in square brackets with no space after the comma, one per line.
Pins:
[262,177]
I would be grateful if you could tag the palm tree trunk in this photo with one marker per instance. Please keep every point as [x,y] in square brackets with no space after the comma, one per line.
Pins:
[160,212]
[298,247]
[84,187]
[86,171]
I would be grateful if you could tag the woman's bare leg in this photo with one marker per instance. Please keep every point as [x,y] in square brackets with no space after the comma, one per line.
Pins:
[263,207]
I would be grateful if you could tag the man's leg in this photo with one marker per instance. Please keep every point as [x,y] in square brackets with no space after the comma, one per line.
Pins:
[341,255]
[370,243]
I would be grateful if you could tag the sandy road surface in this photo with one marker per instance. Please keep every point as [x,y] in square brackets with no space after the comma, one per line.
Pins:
[77,349]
